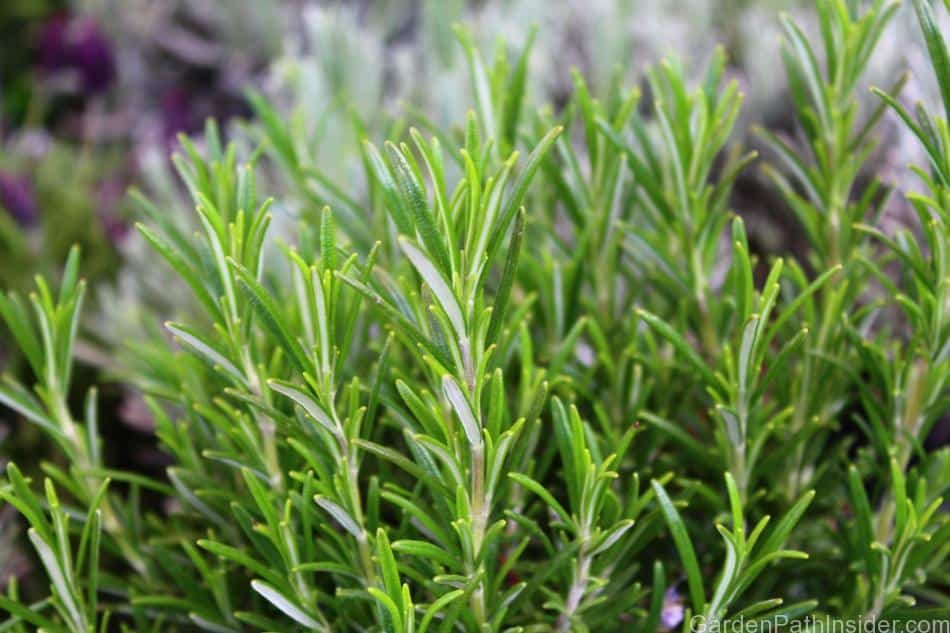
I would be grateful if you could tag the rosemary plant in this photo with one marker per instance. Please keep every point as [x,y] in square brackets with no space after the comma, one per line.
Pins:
[530,377]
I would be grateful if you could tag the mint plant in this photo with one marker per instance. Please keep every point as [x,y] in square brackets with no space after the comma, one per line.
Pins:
[531,376]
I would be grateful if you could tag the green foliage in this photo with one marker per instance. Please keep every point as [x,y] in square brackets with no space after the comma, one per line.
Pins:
[67,213]
[438,406]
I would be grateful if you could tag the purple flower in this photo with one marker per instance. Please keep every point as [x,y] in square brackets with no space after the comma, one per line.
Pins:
[672,614]
[176,114]
[186,110]
[19,199]
[68,44]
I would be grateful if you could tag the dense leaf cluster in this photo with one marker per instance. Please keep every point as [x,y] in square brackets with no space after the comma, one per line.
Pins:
[534,379]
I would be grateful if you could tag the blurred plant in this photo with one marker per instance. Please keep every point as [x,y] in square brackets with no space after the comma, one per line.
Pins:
[76,48]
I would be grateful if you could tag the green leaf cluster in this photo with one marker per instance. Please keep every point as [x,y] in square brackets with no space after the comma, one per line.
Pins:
[533,378]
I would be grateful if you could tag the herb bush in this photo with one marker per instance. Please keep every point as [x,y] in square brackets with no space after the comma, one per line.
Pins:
[536,380]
